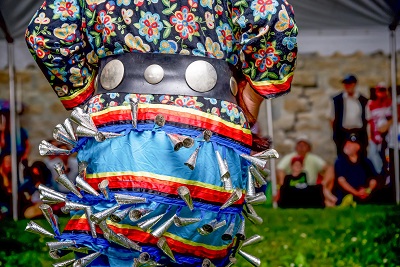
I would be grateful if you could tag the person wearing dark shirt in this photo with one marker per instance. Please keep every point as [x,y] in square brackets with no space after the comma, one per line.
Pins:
[295,191]
[354,173]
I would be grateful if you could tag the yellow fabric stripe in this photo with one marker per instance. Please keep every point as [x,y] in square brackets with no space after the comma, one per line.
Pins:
[90,80]
[177,109]
[158,177]
[175,237]
[273,82]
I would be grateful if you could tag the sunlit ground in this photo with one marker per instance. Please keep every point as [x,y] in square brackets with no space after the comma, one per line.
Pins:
[361,236]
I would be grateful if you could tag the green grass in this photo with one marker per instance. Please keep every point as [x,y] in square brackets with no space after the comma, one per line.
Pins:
[362,236]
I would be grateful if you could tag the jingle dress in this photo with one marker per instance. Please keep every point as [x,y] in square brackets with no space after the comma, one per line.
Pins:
[67,39]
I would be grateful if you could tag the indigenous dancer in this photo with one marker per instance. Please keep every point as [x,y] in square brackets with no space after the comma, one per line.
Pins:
[163,94]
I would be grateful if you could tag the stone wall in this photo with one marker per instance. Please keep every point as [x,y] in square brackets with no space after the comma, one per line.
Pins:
[302,111]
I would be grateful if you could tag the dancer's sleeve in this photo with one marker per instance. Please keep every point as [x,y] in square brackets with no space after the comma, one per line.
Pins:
[57,39]
[267,44]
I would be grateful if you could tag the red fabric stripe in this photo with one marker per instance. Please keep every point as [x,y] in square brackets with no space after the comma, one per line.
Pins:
[147,238]
[270,89]
[132,181]
[79,99]
[179,117]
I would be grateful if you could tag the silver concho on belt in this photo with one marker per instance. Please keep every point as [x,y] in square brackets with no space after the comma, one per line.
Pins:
[154,74]
[201,76]
[112,74]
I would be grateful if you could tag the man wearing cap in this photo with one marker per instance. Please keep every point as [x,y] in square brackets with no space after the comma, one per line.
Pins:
[313,166]
[354,173]
[348,115]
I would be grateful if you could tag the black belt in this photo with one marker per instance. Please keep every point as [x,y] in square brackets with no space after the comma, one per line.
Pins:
[174,80]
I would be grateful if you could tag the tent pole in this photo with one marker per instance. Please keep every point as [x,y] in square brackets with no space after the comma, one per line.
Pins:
[394,108]
[272,161]
[14,165]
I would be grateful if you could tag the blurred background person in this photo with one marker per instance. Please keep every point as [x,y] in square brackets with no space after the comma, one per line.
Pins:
[355,175]
[379,116]
[347,115]
[5,186]
[318,171]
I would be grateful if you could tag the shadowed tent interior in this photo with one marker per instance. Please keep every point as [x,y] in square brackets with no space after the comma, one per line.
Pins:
[325,26]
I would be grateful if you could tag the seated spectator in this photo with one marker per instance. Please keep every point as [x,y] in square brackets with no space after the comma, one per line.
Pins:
[295,191]
[354,173]
[313,166]
[30,201]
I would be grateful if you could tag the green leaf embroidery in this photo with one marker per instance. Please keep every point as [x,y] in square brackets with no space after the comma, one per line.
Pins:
[166,23]
[167,11]
[253,73]
[166,33]
[273,76]
[173,7]
[264,75]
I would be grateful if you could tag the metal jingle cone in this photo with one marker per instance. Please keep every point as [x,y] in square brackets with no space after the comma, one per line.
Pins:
[137,214]
[69,129]
[261,163]
[82,184]
[257,175]
[100,137]
[82,131]
[191,162]
[207,263]
[252,215]
[43,188]
[210,227]
[82,166]
[223,168]
[64,263]
[82,119]
[184,193]
[122,240]
[240,234]
[176,141]
[128,199]
[146,261]
[92,225]
[60,244]
[56,254]
[235,196]
[63,179]
[250,258]
[37,229]
[130,243]
[251,189]
[50,197]
[109,135]
[50,217]
[62,136]
[207,135]
[104,189]
[85,261]
[228,184]
[267,154]
[252,240]
[46,149]
[179,221]
[159,121]
[258,199]
[147,224]
[228,234]
[232,261]
[59,168]
[163,245]
[160,230]
[98,217]
[187,141]
[134,103]
[118,216]
[69,205]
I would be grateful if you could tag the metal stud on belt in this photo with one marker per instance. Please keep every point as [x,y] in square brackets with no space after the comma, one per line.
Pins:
[201,76]
[154,74]
[112,74]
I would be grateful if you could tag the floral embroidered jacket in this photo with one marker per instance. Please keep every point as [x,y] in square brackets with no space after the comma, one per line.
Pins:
[67,38]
